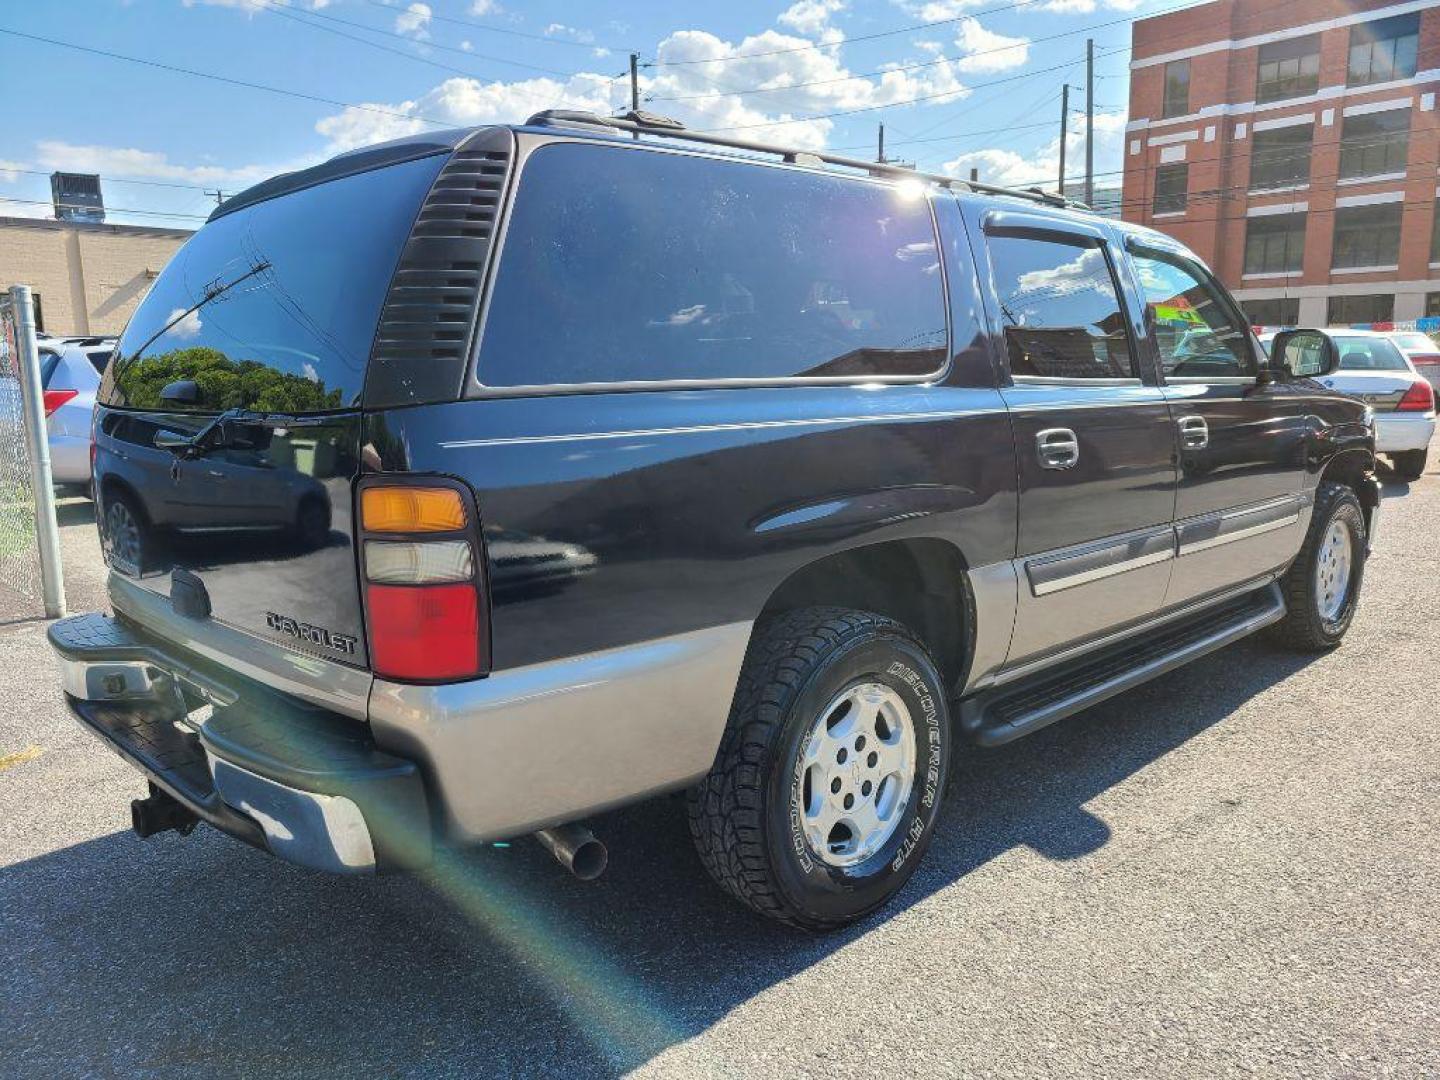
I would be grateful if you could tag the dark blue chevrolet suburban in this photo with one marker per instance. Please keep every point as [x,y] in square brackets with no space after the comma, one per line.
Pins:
[464,486]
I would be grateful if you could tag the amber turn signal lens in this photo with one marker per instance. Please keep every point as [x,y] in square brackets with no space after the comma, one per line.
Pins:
[395,509]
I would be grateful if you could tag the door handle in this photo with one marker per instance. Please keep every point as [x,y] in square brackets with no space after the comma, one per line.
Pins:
[1057,447]
[1194,432]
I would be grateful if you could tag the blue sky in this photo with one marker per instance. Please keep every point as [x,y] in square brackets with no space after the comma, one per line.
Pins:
[978,87]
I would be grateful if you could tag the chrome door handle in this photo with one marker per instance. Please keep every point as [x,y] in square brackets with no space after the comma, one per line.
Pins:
[1194,432]
[1057,447]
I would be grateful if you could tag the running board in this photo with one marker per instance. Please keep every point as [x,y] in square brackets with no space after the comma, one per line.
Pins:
[997,716]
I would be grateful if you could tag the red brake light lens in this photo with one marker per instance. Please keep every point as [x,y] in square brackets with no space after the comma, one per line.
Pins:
[1419,398]
[55,398]
[424,632]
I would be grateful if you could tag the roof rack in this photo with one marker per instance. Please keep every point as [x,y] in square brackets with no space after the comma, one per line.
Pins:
[644,123]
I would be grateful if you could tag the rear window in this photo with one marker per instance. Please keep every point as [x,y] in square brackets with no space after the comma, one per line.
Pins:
[633,265]
[274,306]
[1369,354]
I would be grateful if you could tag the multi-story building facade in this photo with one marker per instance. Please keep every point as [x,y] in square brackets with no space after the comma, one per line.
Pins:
[1296,148]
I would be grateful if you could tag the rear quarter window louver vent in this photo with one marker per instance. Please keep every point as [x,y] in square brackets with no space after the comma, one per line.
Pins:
[424,338]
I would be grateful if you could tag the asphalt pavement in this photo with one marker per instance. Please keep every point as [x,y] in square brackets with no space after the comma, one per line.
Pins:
[1232,870]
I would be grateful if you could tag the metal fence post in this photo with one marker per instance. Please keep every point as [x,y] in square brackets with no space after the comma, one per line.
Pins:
[32,396]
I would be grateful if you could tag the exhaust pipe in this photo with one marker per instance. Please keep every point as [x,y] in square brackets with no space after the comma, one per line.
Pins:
[576,849]
[160,813]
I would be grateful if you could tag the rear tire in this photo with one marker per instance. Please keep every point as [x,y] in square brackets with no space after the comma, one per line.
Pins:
[1410,465]
[1322,586]
[126,536]
[831,772]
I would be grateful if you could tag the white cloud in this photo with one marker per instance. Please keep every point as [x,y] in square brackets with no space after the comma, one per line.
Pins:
[10,170]
[986,51]
[467,46]
[556,29]
[812,19]
[1041,167]
[486,7]
[414,21]
[125,161]
[184,328]
[251,7]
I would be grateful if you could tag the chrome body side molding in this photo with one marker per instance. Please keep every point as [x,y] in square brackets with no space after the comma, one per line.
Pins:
[1092,562]
[552,742]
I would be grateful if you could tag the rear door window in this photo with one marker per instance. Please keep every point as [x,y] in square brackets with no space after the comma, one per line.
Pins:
[274,307]
[625,265]
[1060,308]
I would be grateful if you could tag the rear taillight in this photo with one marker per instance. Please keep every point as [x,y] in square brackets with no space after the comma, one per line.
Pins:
[1419,398]
[55,398]
[424,597]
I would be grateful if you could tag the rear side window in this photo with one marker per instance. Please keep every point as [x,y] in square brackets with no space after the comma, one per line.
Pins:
[274,307]
[637,266]
[49,361]
[1060,309]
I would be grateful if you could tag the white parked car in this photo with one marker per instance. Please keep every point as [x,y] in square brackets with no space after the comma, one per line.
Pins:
[1422,352]
[70,374]
[1373,368]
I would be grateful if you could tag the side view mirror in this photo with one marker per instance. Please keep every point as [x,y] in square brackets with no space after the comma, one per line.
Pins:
[181,392]
[1304,354]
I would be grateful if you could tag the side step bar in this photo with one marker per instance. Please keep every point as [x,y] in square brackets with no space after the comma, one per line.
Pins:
[1005,713]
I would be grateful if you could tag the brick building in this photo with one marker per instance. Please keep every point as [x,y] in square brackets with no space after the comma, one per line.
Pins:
[87,277]
[1295,147]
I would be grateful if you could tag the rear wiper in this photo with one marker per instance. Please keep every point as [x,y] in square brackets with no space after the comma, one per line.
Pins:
[233,429]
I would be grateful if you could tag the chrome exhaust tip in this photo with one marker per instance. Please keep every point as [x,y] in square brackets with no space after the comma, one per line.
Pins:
[576,849]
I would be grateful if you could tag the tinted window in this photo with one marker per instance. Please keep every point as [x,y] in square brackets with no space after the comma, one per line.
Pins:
[1288,68]
[1060,309]
[1280,157]
[1369,354]
[274,307]
[1177,89]
[1368,308]
[1367,236]
[1375,143]
[1384,50]
[1198,333]
[633,265]
[1275,243]
[49,361]
[1172,184]
[1278,311]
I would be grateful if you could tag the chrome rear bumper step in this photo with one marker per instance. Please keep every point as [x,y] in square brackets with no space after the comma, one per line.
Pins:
[998,716]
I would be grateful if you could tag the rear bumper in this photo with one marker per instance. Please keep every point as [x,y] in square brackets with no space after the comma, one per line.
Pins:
[1396,433]
[293,779]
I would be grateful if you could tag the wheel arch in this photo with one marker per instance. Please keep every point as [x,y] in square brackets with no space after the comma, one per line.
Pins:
[1355,468]
[920,582]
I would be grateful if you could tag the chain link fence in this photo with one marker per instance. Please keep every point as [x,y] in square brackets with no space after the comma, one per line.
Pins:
[27,521]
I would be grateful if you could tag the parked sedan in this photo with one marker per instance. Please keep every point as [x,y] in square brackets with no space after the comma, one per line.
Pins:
[1373,368]
[70,375]
[1422,352]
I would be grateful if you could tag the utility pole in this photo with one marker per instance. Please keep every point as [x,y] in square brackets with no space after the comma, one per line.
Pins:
[217,195]
[1064,131]
[635,88]
[974,175]
[880,150]
[1089,121]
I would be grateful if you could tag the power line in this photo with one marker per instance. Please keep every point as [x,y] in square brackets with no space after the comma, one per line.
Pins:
[302,95]
[108,209]
[489,28]
[906,101]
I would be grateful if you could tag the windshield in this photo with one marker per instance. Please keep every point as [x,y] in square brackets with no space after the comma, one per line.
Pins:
[1369,354]
[274,307]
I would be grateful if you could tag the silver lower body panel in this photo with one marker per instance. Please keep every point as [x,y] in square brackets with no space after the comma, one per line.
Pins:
[538,745]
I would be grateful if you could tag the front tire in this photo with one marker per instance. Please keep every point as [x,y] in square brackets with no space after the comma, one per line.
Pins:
[1410,465]
[830,776]
[1322,586]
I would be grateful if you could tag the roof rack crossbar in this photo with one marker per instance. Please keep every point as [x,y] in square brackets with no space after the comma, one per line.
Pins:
[642,123]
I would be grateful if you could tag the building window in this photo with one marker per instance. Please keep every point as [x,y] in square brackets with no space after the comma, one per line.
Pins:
[1375,143]
[1348,310]
[1275,244]
[1280,157]
[1432,305]
[1288,69]
[1384,50]
[1279,311]
[1171,184]
[1435,234]
[1177,89]
[1366,236]
[39,311]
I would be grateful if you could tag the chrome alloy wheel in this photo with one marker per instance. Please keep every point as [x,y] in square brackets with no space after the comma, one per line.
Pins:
[1332,571]
[122,535]
[858,769]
